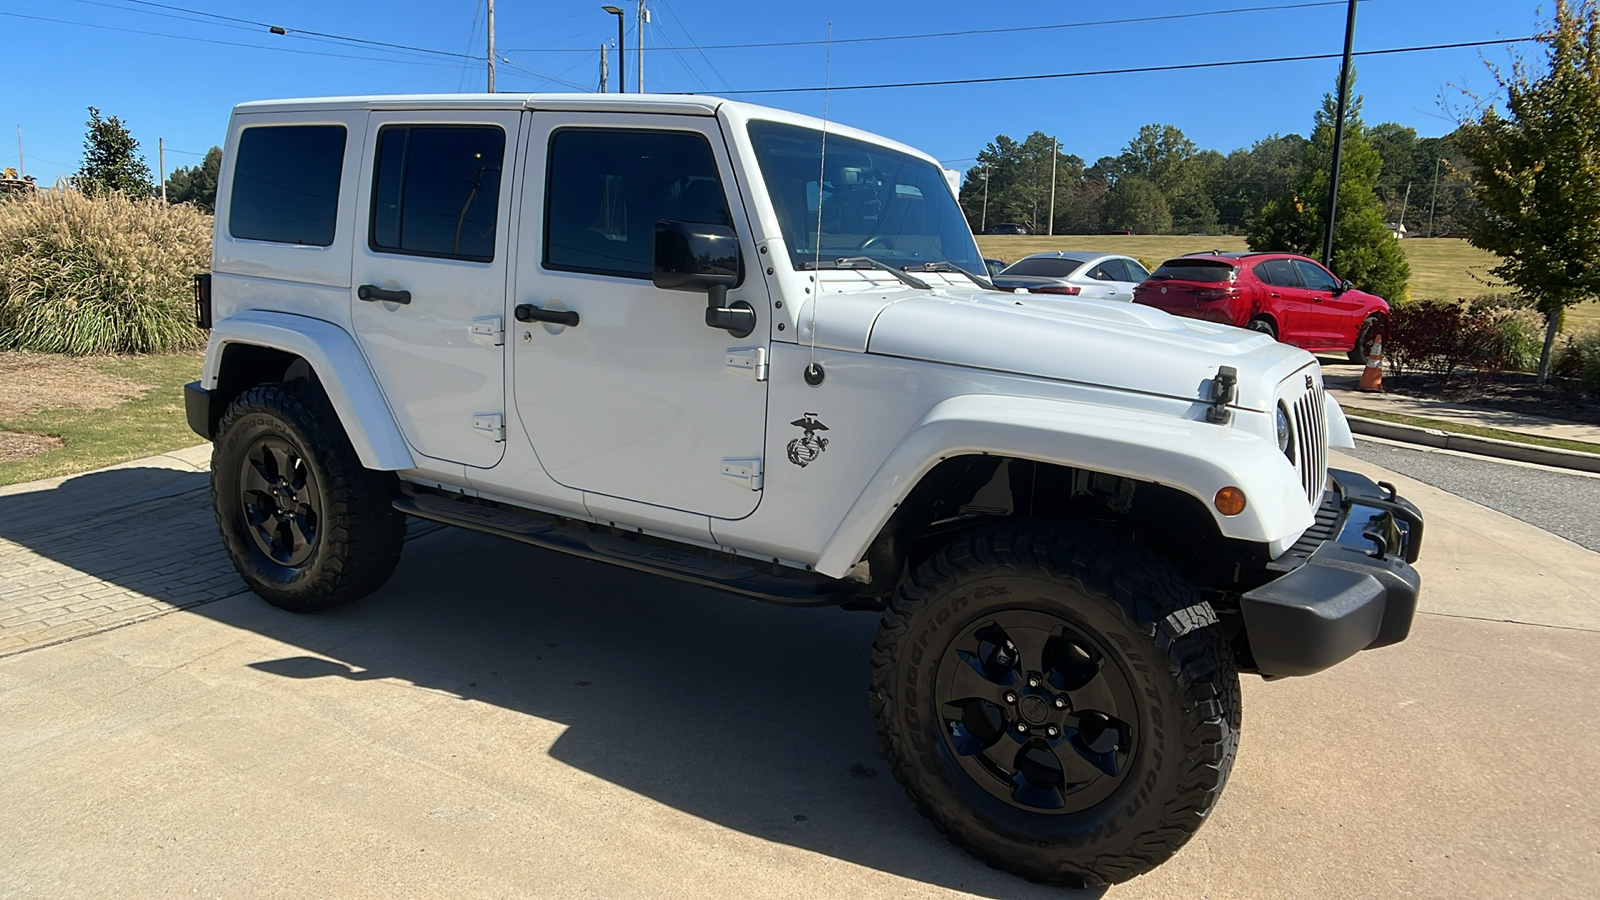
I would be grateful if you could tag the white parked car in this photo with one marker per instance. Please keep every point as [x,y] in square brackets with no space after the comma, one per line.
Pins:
[675,334]
[1073,273]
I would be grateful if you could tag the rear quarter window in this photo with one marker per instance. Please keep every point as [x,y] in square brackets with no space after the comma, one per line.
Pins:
[1202,270]
[286,184]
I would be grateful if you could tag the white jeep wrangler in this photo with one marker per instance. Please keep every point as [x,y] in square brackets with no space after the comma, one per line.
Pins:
[734,346]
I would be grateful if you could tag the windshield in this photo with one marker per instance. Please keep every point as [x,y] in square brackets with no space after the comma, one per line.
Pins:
[874,201]
[1051,266]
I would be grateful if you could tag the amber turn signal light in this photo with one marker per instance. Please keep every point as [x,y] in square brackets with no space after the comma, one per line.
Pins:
[1229,501]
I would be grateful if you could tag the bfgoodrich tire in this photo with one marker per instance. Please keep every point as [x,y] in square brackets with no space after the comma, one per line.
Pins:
[1058,702]
[306,526]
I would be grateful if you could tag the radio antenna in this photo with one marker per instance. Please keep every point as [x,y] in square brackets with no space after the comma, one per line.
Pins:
[813,371]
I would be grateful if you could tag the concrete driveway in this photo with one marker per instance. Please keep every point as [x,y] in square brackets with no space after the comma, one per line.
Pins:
[500,721]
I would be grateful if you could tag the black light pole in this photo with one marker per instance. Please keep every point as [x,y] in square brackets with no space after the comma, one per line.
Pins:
[1338,133]
[622,70]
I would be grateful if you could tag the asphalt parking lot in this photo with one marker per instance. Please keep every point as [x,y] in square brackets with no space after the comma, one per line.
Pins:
[500,721]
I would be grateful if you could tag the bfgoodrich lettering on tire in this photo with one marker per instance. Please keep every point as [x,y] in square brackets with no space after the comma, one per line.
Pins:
[1057,701]
[305,525]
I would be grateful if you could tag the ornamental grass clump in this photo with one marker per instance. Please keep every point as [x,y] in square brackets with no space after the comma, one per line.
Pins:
[99,274]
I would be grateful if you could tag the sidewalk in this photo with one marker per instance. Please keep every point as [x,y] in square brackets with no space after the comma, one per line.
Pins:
[1341,382]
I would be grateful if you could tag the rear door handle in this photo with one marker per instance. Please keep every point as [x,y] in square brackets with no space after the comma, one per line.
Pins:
[527,312]
[1275,295]
[372,292]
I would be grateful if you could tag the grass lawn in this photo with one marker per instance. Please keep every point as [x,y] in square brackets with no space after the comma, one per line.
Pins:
[1473,430]
[1440,267]
[91,438]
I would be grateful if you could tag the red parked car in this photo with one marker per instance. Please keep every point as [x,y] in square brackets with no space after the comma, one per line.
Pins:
[1289,296]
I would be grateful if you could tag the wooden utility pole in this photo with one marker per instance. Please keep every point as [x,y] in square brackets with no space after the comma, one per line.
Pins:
[21,169]
[1338,132]
[603,71]
[1055,152]
[983,221]
[1403,204]
[492,45]
[161,165]
[1433,201]
[644,19]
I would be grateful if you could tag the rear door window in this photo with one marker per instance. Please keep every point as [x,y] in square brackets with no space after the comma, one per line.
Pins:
[1279,273]
[606,190]
[436,190]
[1316,278]
[1136,272]
[286,184]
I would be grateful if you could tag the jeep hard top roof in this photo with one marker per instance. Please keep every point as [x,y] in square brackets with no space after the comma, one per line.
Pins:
[668,104]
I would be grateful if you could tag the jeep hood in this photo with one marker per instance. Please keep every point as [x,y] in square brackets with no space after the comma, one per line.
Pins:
[1094,342]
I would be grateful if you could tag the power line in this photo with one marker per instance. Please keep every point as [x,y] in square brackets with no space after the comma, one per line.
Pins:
[201,40]
[975,31]
[302,31]
[999,79]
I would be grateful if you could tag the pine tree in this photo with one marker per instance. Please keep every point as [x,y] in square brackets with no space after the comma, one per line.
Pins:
[111,160]
[198,184]
[1365,252]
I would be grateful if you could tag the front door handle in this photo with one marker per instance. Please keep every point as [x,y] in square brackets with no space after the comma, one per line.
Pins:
[372,292]
[527,312]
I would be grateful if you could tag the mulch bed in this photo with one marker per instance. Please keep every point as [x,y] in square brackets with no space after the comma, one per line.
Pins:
[1506,391]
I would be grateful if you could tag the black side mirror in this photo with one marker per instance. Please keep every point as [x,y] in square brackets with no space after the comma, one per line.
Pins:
[1343,286]
[697,256]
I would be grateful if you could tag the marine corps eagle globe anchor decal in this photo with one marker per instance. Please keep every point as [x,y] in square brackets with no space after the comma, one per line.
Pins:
[804,450]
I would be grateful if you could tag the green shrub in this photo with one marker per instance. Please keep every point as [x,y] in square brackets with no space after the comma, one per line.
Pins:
[1521,337]
[104,274]
[1579,357]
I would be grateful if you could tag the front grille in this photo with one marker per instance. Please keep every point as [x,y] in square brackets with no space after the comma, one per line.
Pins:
[1311,443]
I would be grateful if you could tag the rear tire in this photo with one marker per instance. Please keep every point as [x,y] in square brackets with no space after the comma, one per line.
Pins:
[305,525]
[1264,326]
[1371,329]
[1114,715]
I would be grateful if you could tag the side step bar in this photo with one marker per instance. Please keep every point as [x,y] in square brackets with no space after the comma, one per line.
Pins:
[644,554]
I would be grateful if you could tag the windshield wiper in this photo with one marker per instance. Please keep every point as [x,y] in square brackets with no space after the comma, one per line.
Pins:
[866,262]
[947,266]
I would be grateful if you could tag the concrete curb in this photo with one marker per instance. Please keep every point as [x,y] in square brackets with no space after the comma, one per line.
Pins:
[1482,446]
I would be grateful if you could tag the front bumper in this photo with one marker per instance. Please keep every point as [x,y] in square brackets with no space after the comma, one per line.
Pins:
[1347,584]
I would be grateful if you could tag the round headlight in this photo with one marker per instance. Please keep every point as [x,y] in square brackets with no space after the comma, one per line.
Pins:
[1284,435]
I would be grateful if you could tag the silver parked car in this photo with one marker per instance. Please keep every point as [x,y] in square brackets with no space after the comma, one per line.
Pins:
[1101,276]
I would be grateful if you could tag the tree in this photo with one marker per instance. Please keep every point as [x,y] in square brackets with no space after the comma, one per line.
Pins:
[1135,204]
[1019,184]
[197,184]
[1250,178]
[111,160]
[1365,252]
[1537,170]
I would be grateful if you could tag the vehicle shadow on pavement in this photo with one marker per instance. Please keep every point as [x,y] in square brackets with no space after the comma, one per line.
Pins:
[744,714]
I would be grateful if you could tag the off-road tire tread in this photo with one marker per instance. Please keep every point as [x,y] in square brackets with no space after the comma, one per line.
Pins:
[1155,600]
[362,533]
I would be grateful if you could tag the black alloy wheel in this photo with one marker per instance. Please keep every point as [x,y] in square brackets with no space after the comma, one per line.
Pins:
[1371,331]
[1036,712]
[281,501]
[1263,326]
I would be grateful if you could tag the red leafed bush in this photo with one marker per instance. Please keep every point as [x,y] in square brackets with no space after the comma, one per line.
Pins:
[1438,336]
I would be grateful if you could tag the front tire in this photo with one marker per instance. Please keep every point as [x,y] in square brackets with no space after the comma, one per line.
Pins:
[1058,702]
[305,525]
[1371,329]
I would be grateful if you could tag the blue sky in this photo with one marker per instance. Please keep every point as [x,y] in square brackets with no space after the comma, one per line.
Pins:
[182,90]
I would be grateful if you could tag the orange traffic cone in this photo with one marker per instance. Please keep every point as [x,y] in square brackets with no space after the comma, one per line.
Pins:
[1372,375]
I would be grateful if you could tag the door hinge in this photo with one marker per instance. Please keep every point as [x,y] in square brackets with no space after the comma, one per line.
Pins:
[748,361]
[744,472]
[491,426]
[489,330]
